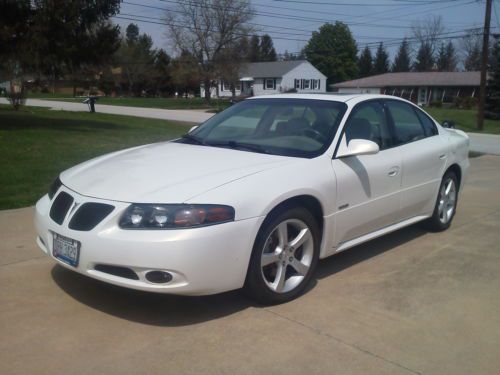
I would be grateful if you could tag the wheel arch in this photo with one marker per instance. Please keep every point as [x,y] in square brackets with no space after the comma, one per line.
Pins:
[455,168]
[307,201]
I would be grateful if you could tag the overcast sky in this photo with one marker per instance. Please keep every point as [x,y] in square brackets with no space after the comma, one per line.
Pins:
[291,22]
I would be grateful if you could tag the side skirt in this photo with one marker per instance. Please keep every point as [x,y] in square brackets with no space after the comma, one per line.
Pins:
[370,236]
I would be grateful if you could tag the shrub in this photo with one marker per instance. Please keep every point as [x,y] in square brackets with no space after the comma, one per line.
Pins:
[436,104]
[465,102]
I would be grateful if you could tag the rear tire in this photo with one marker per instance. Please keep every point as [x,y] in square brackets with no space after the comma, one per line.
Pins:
[446,204]
[284,256]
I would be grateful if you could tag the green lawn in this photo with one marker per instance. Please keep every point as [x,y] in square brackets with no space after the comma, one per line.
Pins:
[36,144]
[465,119]
[162,103]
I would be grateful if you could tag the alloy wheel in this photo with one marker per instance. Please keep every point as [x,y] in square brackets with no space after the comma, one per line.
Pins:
[447,199]
[287,255]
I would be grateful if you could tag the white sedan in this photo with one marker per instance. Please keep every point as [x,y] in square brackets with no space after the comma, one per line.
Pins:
[254,196]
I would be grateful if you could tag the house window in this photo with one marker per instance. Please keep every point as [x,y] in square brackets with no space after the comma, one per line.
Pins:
[306,84]
[270,84]
[297,84]
[238,87]
[226,86]
[315,83]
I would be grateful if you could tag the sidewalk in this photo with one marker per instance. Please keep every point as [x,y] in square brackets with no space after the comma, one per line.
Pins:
[184,115]
[484,143]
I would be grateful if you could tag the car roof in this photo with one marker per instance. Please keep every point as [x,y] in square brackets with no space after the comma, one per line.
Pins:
[344,98]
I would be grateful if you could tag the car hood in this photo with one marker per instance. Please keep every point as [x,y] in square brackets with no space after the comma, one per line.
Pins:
[167,172]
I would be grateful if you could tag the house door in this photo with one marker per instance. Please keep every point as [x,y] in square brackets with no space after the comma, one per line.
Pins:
[422,96]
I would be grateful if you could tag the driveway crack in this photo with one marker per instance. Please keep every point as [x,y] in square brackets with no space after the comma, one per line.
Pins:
[353,346]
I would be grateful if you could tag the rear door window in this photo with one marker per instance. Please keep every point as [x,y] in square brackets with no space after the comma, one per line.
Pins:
[407,125]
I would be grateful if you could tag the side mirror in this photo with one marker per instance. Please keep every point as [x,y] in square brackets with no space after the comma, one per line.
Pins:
[193,128]
[359,147]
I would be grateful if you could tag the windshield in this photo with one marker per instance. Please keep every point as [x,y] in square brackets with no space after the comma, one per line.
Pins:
[290,127]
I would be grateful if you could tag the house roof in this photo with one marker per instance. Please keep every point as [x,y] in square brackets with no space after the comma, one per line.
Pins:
[414,79]
[269,69]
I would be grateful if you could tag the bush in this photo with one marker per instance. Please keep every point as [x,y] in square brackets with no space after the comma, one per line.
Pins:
[436,104]
[465,102]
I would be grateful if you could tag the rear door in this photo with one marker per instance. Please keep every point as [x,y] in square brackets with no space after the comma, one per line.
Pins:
[368,186]
[423,157]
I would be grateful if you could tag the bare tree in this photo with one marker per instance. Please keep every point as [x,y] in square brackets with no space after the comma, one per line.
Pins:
[470,48]
[428,31]
[206,29]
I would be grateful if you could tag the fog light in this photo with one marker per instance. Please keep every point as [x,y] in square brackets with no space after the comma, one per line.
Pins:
[158,277]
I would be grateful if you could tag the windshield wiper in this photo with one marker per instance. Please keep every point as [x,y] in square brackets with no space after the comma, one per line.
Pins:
[191,138]
[240,146]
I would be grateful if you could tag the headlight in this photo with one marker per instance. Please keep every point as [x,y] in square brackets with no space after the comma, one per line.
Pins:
[174,216]
[54,187]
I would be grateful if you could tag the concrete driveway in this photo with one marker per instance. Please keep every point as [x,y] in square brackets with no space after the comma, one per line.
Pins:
[411,302]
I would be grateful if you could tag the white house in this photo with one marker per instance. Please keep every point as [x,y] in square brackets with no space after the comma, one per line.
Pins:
[264,78]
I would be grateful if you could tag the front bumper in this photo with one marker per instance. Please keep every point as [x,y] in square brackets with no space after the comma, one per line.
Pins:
[201,261]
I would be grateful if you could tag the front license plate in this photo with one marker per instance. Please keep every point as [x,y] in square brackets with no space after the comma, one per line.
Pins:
[66,249]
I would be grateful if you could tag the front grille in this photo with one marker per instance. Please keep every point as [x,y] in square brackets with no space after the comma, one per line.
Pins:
[89,215]
[117,271]
[60,207]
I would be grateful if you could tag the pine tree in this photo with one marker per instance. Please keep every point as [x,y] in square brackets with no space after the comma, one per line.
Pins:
[266,48]
[365,63]
[424,61]
[254,49]
[402,61]
[492,105]
[447,60]
[381,61]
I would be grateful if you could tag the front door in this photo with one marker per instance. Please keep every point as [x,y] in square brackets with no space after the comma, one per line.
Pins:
[368,186]
[422,96]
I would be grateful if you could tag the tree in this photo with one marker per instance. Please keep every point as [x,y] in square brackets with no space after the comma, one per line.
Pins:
[162,72]
[215,26]
[137,58]
[492,105]
[471,46]
[55,37]
[365,63]
[381,61]
[267,51]
[428,31]
[185,73]
[424,61]
[446,60]
[254,49]
[132,33]
[333,51]
[402,61]
[81,37]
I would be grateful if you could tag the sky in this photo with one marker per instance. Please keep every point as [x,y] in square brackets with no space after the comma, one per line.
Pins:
[291,22]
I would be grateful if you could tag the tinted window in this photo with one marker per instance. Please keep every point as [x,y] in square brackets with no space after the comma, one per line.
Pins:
[291,127]
[407,125]
[368,121]
[427,123]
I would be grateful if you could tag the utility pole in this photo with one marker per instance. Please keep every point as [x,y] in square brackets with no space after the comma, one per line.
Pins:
[484,66]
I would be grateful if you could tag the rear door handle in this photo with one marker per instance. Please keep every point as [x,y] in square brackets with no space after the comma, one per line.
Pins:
[394,171]
[442,156]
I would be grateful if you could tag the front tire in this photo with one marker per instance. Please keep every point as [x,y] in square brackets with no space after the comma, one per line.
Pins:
[284,256]
[446,204]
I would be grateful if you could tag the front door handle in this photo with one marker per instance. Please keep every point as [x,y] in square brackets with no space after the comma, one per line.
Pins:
[442,156]
[394,171]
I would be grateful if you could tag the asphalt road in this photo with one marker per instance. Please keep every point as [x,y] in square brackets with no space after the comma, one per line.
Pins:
[411,302]
[479,143]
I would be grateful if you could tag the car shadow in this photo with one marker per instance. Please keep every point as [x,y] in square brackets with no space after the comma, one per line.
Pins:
[170,310]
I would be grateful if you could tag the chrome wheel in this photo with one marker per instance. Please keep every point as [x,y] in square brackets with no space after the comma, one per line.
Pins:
[287,255]
[447,199]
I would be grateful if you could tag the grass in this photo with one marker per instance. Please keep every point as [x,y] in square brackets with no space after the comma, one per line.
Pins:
[465,119]
[36,144]
[162,103]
